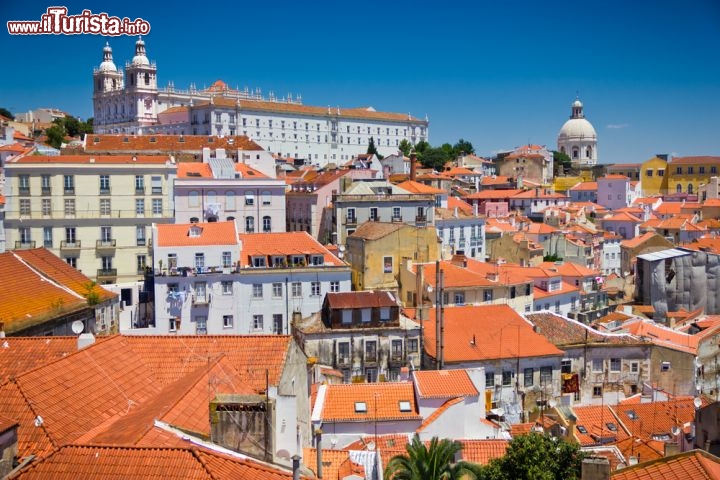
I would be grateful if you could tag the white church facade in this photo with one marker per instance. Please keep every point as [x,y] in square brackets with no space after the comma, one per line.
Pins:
[132,103]
[577,138]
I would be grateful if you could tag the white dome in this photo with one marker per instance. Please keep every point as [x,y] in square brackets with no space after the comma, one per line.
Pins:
[140,60]
[577,128]
[107,66]
[577,103]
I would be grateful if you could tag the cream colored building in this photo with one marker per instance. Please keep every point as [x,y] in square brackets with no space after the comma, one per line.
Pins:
[94,212]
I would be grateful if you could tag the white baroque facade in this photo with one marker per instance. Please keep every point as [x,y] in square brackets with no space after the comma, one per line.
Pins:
[577,137]
[134,104]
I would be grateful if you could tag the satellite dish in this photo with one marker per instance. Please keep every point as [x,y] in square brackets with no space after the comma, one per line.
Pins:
[675,430]
[341,248]
[697,402]
[77,327]
[371,446]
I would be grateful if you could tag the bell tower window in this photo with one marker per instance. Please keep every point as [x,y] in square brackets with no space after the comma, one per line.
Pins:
[147,78]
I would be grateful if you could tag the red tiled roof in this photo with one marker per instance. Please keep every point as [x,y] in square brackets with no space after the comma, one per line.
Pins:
[611,176]
[36,284]
[565,287]
[468,338]
[697,160]
[381,402]
[461,205]
[166,143]
[656,418]
[563,332]
[444,384]
[482,451]
[585,186]
[621,217]
[417,187]
[637,241]
[534,193]
[365,299]
[494,180]
[95,462]
[20,354]
[336,463]
[211,233]
[493,194]
[203,170]
[283,243]
[294,108]
[695,465]
[599,422]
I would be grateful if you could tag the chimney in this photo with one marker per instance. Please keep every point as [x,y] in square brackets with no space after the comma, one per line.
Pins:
[459,259]
[627,309]
[413,167]
[318,449]
[671,448]
[85,340]
[296,467]
[595,468]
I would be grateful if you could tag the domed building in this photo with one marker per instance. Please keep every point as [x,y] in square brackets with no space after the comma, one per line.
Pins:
[577,137]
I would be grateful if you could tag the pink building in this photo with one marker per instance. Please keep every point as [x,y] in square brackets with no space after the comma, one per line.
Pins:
[614,191]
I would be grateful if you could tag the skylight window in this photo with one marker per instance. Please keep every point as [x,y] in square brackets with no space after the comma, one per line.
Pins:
[404,406]
[360,407]
[611,426]
[631,414]
[582,429]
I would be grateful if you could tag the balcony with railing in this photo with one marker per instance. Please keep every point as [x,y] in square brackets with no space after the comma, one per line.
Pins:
[139,190]
[24,244]
[396,358]
[69,190]
[343,361]
[420,218]
[396,218]
[104,190]
[107,244]
[350,220]
[24,191]
[201,300]
[370,358]
[107,274]
[66,245]
[46,191]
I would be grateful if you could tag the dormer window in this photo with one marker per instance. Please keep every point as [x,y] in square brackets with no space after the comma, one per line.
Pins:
[194,231]
[278,261]
[316,260]
[298,260]
[360,407]
[384,314]
[404,405]
[258,261]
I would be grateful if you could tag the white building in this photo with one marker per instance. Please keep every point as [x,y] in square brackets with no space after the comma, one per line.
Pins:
[210,280]
[134,104]
[577,137]
[610,257]
[220,190]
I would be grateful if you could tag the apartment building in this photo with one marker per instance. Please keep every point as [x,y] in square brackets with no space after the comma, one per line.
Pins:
[94,212]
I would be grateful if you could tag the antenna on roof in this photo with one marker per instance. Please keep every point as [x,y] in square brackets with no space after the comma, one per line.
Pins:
[77,327]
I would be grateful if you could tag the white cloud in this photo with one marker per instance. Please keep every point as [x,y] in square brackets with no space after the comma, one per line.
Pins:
[618,125]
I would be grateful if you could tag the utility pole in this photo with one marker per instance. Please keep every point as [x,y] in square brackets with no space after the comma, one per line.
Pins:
[439,317]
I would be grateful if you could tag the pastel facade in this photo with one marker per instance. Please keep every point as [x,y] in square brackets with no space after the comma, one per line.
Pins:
[655,176]
[688,173]
[613,192]
[94,212]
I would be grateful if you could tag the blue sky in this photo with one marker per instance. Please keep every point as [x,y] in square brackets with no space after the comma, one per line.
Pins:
[499,74]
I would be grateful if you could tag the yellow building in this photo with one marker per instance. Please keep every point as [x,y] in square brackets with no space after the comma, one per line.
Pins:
[93,211]
[688,173]
[654,177]
[563,184]
[376,249]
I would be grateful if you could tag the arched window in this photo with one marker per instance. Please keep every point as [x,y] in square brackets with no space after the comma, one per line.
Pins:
[576,152]
[211,196]
[690,188]
[193,199]
[230,219]
[194,220]
[588,152]
[678,189]
[147,78]
[562,149]
[250,224]
[267,224]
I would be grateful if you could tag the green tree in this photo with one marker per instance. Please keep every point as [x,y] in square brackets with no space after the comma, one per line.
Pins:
[561,162]
[552,257]
[421,147]
[55,135]
[536,457]
[372,150]
[6,113]
[435,461]
[463,146]
[434,158]
[405,147]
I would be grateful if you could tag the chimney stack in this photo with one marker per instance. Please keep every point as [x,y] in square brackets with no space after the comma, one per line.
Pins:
[413,167]
[595,468]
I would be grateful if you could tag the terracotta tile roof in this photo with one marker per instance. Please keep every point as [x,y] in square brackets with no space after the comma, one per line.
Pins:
[467,338]
[585,187]
[417,187]
[91,462]
[637,241]
[159,437]
[645,420]
[493,194]
[283,243]
[696,465]
[92,159]
[211,233]
[645,200]
[697,160]
[461,205]
[565,332]
[438,413]
[7,424]
[705,244]
[376,230]
[166,143]
[381,402]
[614,177]
[294,108]
[540,228]
[434,176]
[621,217]
[534,193]
[365,299]
[455,276]
[565,287]
[461,172]
[20,354]
[389,445]
[36,283]
[521,428]
[203,170]
[494,180]
[644,450]
[482,451]
[669,208]
[335,463]
[14,147]
[598,422]
[444,384]
[662,335]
